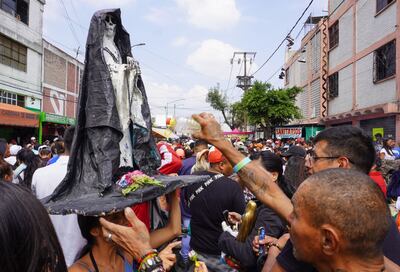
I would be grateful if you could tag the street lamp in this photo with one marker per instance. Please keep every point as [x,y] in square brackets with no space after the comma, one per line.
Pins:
[139,44]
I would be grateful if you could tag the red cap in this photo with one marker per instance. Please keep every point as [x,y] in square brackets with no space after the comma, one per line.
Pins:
[215,156]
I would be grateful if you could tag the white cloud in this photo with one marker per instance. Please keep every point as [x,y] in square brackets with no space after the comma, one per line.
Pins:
[158,15]
[212,58]
[211,14]
[161,94]
[179,41]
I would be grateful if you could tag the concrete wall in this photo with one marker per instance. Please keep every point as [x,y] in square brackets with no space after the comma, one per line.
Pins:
[343,102]
[344,50]
[371,28]
[25,83]
[369,93]
[333,4]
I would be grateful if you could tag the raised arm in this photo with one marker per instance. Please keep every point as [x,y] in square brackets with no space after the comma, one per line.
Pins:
[258,180]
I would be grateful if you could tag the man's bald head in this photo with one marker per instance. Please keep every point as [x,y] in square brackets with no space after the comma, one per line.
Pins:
[351,203]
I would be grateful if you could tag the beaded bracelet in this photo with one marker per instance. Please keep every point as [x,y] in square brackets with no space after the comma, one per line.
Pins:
[241,164]
[152,252]
[150,262]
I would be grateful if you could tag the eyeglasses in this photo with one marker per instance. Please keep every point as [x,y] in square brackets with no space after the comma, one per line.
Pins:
[315,158]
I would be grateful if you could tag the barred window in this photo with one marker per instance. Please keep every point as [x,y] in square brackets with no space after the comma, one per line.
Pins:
[12,53]
[334,35]
[385,61]
[381,4]
[333,85]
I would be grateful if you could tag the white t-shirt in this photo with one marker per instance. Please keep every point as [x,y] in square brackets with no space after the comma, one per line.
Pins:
[387,155]
[44,181]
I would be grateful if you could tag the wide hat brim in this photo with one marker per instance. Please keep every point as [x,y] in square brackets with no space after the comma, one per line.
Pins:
[93,204]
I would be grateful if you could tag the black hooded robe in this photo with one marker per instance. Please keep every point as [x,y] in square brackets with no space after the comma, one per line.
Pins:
[95,153]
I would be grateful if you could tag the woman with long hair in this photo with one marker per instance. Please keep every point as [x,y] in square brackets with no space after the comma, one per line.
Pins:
[386,152]
[265,217]
[28,163]
[28,241]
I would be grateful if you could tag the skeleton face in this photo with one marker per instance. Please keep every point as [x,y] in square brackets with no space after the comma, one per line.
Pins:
[110,23]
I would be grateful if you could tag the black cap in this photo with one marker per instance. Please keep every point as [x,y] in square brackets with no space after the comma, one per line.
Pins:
[295,151]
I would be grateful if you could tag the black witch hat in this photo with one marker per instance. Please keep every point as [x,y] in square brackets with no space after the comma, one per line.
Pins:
[88,188]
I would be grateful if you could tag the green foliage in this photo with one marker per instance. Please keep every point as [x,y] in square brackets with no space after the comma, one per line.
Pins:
[232,113]
[270,107]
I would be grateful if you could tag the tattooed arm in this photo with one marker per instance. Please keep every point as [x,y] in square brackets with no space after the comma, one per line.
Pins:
[258,180]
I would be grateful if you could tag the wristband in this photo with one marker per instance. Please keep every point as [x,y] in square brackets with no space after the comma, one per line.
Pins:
[241,164]
[151,252]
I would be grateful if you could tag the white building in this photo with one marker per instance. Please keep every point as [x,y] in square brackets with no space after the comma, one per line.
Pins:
[20,59]
[363,84]
[353,80]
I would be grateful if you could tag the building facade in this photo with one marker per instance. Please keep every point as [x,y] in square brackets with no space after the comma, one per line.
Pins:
[364,87]
[20,66]
[61,81]
[306,68]
[358,80]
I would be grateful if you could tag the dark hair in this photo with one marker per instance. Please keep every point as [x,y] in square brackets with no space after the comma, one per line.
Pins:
[350,142]
[58,147]
[295,171]
[3,147]
[28,241]
[86,224]
[273,163]
[32,162]
[387,147]
[329,197]
[188,153]
[200,143]
[68,137]
[5,169]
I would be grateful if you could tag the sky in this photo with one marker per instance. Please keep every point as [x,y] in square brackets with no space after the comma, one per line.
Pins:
[189,43]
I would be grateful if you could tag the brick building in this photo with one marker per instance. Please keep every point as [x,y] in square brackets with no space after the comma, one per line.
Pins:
[61,81]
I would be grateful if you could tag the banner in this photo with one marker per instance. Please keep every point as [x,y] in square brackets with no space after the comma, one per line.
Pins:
[288,132]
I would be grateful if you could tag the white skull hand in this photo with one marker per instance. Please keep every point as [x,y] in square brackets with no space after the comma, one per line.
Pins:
[110,25]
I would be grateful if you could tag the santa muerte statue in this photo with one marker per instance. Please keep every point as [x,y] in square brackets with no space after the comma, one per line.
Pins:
[113,128]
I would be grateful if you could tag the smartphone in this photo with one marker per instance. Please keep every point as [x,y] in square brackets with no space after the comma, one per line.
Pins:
[261,236]
[226,216]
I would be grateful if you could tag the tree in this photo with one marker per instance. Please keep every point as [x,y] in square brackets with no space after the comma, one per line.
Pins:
[268,107]
[232,113]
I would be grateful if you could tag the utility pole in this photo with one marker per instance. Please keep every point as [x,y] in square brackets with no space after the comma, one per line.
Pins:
[244,81]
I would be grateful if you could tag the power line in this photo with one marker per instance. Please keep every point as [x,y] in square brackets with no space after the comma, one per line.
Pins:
[71,27]
[279,46]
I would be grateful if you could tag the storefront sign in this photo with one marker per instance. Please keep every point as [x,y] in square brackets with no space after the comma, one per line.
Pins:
[13,115]
[288,132]
[58,119]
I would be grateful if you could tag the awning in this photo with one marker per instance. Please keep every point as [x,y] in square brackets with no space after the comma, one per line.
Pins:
[164,133]
[13,115]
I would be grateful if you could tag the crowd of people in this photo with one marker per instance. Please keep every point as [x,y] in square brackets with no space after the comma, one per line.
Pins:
[327,204]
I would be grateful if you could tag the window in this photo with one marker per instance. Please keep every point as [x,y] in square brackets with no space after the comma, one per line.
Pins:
[333,85]
[334,35]
[17,8]
[12,98]
[381,4]
[12,53]
[385,61]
